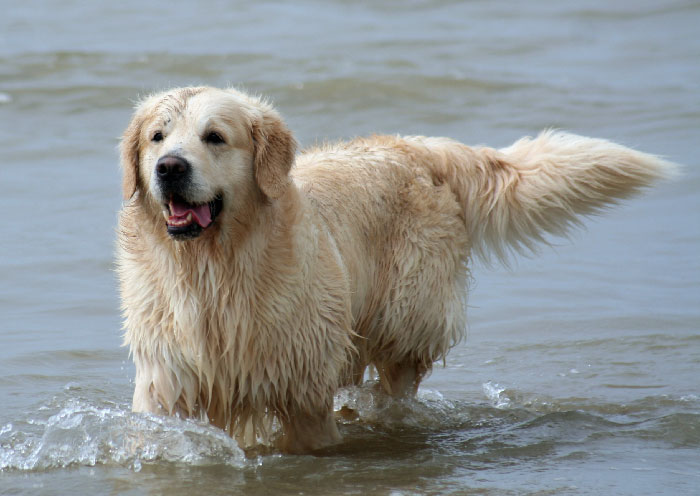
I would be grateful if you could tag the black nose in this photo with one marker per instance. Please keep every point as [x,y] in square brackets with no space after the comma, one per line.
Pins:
[171,168]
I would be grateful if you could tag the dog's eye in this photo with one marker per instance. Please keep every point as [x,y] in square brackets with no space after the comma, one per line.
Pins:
[158,136]
[214,138]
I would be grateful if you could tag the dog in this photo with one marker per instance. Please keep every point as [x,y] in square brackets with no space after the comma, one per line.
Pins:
[256,282]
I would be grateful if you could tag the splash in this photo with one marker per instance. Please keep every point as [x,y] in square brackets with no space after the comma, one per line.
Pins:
[366,403]
[498,395]
[84,434]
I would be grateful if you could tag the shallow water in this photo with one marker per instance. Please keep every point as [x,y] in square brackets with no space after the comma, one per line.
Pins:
[580,371]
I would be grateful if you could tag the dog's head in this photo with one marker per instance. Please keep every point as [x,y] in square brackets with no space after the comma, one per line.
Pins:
[200,153]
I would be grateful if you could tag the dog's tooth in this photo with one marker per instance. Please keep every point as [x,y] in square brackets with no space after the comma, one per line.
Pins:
[189,217]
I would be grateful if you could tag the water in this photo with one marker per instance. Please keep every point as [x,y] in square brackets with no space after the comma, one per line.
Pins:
[580,371]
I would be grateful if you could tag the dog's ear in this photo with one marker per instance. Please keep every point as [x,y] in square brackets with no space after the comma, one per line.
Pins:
[129,151]
[274,153]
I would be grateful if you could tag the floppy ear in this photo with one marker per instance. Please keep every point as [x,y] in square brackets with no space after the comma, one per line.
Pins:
[274,153]
[129,151]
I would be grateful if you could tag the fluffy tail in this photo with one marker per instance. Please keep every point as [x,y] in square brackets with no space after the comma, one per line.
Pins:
[516,195]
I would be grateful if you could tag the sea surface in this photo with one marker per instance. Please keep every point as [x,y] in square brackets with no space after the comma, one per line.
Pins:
[580,373]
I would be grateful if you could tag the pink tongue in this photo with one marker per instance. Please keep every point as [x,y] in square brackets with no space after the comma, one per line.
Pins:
[200,213]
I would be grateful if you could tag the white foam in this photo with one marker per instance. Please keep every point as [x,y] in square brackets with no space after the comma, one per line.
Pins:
[5,98]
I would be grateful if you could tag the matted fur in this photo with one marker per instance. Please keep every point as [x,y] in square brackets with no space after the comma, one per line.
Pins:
[353,255]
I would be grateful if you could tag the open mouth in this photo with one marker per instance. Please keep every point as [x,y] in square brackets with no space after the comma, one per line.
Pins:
[187,220]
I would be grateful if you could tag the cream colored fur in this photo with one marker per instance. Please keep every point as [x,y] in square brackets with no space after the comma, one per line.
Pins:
[349,255]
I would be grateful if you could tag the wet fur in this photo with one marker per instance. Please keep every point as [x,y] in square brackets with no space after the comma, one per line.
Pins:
[350,255]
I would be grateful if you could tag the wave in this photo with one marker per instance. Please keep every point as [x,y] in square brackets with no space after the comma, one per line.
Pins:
[73,432]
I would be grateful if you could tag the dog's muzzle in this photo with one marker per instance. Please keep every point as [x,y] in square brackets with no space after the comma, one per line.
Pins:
[184,219]
[174,174]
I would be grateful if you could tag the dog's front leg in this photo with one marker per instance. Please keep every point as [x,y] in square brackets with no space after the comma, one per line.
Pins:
[304,433]
[144,400]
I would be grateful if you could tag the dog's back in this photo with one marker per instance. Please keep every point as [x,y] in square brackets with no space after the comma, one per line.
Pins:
[407,213]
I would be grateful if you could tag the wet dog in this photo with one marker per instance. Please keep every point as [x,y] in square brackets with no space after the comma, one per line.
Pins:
[255,283]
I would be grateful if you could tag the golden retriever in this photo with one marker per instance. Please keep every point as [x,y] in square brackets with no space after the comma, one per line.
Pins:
[255,283]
